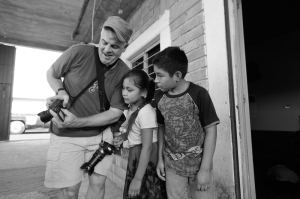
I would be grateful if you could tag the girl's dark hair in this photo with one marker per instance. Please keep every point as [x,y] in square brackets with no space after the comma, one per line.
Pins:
[141,80]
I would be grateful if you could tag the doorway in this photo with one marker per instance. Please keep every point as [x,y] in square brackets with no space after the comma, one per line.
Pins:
[272,40]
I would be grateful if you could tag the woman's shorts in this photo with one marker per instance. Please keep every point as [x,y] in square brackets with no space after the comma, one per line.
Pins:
[67,154]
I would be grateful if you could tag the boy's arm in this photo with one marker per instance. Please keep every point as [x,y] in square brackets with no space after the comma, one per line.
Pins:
[161,139]
[203,176]
[160,169]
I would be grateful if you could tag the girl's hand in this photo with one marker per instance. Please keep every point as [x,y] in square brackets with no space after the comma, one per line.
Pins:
[160,170]
[203,180]
[118,139]
[134,188]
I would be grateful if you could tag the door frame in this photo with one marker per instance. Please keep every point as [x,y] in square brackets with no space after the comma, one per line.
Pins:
[7,57]
[244,142]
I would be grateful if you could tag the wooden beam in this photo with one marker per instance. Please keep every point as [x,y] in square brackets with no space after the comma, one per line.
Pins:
[39,23]
[84,23]
[82,11]
[103,9]
[33,44]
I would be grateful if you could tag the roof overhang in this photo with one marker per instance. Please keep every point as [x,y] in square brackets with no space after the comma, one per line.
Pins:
[58,24]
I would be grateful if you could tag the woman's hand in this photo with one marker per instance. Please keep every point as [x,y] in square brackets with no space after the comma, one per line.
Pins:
[62,95]
[69,119]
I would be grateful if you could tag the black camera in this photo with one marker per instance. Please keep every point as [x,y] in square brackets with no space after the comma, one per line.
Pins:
[56,106]
[104,149]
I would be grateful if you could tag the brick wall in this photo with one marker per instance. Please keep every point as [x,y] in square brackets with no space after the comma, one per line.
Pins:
[117,173]
[187,32]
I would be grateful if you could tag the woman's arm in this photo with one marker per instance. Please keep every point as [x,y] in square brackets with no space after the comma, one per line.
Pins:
[55,84]
[100,119]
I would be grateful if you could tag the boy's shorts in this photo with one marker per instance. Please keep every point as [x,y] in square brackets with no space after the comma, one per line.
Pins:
[181,187]
[67,154]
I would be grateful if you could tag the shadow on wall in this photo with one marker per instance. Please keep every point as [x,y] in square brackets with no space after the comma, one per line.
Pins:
[222,191]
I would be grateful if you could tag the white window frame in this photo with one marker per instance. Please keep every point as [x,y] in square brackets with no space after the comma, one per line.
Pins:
[158,32]
[144,54]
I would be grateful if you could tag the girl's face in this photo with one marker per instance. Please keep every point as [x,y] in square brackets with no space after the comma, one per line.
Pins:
[132,94]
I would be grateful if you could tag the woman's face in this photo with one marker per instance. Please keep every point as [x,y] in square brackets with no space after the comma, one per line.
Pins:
[110,48]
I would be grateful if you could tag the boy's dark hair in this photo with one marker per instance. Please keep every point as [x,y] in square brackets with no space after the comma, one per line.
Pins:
[171,60]
[141,80]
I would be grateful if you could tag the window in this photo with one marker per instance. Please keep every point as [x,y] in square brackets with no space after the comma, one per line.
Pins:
[144,60]
[138,64]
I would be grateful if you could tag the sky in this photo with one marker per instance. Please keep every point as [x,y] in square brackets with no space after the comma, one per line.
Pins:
[31,65]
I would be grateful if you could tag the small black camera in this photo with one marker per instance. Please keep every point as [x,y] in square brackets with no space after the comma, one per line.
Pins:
[104,149]
[45,116]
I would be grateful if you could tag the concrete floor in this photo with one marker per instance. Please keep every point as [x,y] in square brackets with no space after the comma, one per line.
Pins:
[22,169]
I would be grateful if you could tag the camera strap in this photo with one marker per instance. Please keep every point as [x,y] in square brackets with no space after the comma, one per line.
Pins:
[73,99]
[104,103]
[101,69]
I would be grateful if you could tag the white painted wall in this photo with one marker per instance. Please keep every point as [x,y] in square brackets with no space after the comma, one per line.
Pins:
[218,88]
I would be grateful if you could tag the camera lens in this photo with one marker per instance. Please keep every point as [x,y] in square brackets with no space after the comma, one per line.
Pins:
[104,149]
[45,116]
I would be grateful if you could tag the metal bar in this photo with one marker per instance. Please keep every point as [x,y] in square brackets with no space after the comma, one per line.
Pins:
[146,60]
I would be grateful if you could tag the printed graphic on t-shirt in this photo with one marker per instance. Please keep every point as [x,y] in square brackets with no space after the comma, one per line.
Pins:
[183,132]
[94,87]
[196,150]
[183,117]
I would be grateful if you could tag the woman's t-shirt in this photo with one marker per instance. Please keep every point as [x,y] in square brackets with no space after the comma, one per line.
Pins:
[77,66]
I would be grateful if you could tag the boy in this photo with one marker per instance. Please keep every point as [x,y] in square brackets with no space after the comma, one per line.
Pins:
[187,128]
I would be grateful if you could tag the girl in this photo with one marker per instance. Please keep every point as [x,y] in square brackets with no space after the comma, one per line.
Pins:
[141,180]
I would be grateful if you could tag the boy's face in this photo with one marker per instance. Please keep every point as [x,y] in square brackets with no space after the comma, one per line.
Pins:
[163,79]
